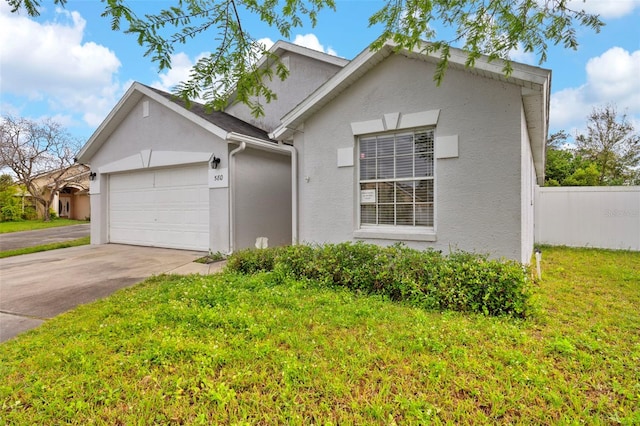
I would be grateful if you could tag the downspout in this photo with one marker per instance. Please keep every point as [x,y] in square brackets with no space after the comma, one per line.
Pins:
[232,171]
[280,147]
[294,191]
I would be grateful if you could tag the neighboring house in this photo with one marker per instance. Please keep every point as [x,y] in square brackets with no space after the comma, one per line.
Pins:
[172,176]
[71,200]
[368,150]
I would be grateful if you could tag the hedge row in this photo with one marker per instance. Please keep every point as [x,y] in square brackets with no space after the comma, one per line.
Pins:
[460,281]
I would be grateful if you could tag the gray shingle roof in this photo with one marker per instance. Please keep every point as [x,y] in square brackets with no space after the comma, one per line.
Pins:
[219,118]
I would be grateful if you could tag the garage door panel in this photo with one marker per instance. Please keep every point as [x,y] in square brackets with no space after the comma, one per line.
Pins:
[131,181]
[162,208]
[182,238]
[133,235]
[183,177]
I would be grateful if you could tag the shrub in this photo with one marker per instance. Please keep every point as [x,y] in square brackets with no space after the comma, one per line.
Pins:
[251,261]
[11,211]
[10,206]
[30,213]
[462,281]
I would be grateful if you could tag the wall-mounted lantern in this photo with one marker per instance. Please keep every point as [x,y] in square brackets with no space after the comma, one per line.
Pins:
[215,161]
[92,176]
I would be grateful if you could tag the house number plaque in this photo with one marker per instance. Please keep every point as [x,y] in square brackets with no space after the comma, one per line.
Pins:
[219,178]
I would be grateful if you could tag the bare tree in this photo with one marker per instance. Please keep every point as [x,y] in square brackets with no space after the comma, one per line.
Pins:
[612,144]
[40,155]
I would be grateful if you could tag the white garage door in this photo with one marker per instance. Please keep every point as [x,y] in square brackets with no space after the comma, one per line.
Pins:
[160,208]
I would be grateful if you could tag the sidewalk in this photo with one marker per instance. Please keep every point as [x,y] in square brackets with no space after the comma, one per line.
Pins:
[199,268]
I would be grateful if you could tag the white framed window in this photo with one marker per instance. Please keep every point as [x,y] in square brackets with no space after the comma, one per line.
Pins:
[397,180]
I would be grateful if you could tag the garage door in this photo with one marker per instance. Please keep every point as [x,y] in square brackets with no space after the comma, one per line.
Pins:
[160,208]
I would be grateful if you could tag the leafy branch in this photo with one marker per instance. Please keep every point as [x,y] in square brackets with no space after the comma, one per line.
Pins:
[495,28]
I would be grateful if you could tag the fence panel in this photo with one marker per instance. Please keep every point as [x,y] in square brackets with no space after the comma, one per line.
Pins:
[604,217]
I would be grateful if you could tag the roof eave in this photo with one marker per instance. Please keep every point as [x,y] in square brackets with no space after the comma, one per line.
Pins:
[537,117]
[280,47]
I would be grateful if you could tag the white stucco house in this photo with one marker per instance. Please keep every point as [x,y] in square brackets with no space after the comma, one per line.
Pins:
[364,150]
[386,155]
[166,175]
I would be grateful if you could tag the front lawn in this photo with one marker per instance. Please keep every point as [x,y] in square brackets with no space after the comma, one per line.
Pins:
[30,225]
[46,247]
[234,349]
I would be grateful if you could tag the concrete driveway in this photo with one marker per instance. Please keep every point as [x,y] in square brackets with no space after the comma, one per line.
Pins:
[18,240]
[39,286]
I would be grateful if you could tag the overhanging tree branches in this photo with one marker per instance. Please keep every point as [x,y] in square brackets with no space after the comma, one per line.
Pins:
[482,27]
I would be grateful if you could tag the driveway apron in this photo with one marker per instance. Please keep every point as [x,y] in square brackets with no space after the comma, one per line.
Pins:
[39,286]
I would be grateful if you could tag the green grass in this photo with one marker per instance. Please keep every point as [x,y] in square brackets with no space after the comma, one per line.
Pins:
[30,225]
[45,247]
[230,349]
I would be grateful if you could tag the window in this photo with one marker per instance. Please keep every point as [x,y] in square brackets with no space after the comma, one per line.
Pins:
[397,179]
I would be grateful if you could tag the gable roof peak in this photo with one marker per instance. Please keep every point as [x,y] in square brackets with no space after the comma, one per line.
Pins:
[218,123]
[280,47]
[535,84]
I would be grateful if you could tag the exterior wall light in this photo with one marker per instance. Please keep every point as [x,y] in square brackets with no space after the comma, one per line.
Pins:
[92,176]
[215,161]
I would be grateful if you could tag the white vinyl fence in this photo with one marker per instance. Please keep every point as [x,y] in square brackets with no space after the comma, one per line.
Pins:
[604,217]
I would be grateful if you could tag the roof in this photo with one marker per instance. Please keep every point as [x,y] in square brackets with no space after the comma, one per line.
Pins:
[281,47]
[75,175]
[535,83]
[219,118]
[219,123]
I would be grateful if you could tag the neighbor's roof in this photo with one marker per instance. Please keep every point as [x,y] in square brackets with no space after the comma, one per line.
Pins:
[534,81]
[219,123]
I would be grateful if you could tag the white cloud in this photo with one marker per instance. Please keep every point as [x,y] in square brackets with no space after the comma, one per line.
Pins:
[266,42]
[181,66]
[605,8]
[611,79]
[614,75]
[519,55]
[181,63]
[49,61]
[9,109]
[311,41]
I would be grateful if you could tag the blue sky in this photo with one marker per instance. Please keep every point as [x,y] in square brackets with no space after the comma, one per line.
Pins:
[67,64]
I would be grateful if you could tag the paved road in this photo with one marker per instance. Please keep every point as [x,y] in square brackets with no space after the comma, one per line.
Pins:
[36,287]
[18,240]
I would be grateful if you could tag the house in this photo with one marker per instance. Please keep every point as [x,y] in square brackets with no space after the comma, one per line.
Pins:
[363,150]
[171,176]
[388,156]
[70,199]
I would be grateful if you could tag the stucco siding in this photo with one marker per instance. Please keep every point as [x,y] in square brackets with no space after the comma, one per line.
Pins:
[305,75]
[478,201]
[81,208]
[162,130]
[262,192]
[164,135]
